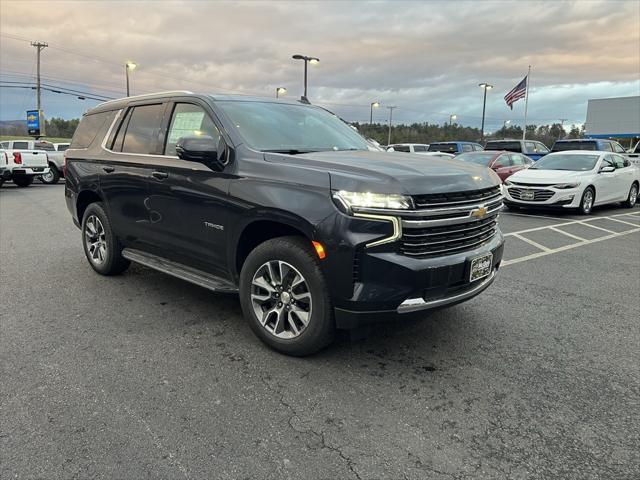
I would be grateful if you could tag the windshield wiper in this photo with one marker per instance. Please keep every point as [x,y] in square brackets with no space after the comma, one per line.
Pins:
[289,151]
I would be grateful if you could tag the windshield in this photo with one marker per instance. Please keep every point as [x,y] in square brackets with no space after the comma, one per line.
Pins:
[562,146]
[479,158]
[287,128]
[560,161]
[509,146]
[443,147]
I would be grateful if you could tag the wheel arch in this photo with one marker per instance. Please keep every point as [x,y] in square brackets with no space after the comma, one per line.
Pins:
[259,230]
[86,198]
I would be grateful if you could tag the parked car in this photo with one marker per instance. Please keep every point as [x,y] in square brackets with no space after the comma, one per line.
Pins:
[595,144]
[574,179]
[503,163]
[532,148]
[283,203]
[409,147]
[454,147]
[633,154]
[56,157]
[22,166]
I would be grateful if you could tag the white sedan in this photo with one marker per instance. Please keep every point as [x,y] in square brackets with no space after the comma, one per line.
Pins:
[574,179]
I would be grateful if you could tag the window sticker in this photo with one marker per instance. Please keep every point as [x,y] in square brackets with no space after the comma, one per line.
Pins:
[185,124]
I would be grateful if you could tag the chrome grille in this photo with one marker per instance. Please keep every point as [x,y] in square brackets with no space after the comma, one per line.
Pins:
[539,195]
[450,223]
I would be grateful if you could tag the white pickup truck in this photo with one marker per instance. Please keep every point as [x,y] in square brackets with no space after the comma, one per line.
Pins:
[22,166]
[54,153]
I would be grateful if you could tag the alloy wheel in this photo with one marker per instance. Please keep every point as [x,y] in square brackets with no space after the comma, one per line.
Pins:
[48,177]
[281,299]
[95,240]
[587,201]
[633,195]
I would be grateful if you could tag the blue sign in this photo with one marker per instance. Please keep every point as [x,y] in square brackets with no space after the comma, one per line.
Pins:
[33,122]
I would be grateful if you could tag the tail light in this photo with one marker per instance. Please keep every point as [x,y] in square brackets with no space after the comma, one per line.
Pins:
[17,158]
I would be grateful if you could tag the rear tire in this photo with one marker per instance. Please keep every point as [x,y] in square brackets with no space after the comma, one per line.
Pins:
[23,181]
[52,177]
[633,196]
[587,201]
[281,281]
[101,246]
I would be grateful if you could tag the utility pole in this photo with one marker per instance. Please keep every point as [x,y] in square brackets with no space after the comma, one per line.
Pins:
[390,119]
[39,47]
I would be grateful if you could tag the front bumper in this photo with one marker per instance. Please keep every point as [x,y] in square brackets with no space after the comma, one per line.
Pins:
[551,197]
[389,284]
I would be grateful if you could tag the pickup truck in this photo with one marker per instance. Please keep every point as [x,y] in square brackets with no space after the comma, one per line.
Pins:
[55,156]
[22,166]
[283,204]
[531,148]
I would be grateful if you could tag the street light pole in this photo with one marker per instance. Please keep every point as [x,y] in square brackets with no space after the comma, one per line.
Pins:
[129,66]
[390,119]
[485,87]
[306,59]
[373,105]
[451,118]
[504,128]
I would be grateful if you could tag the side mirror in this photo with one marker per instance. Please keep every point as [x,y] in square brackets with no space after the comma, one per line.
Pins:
[202,149]
[607,169]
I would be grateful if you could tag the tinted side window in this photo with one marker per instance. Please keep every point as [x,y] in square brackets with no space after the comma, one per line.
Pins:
[44,146]
[606,146]
[419,148]
[401,148]
[617,147]
[4,145]
[518,160]
[467,148]
[530,147]
[189,120]
[62,148]
[142,130]
[542,148]
[20,145]
[88,128]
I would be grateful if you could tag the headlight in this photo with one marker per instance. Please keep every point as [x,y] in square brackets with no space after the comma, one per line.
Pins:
[565,185]
[373,200]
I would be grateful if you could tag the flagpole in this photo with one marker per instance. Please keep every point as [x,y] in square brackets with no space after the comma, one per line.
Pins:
[526,104]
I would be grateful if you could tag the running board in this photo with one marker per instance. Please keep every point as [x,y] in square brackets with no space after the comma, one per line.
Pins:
[180,271]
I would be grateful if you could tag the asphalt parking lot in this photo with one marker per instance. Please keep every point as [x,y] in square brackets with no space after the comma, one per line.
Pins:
[145,376]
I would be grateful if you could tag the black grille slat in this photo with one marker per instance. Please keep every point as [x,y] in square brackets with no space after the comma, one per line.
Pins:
[442,199]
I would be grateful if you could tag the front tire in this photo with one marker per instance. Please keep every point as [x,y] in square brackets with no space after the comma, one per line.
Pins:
[52,177]
[23,181]
[587,200]
[284,297]
[633,196]
[101,246]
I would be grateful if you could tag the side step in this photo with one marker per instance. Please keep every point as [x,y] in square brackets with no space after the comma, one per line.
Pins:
[180,271]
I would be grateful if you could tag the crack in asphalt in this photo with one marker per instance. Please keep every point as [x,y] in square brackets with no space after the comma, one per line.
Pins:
[310,431]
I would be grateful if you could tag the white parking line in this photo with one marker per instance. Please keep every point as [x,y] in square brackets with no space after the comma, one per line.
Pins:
[531,242]
[506,263]
[581,241]
[567,234]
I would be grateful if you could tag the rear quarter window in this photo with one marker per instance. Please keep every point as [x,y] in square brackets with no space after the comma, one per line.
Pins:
[20,145]
[508,146]
[88,129]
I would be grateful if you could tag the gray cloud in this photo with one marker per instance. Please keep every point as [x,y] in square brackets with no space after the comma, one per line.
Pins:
[425,57]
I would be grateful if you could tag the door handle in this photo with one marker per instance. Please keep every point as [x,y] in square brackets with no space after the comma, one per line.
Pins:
[108,169]
[160,175]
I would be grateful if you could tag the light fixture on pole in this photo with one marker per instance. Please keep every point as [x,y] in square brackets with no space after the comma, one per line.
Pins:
[312,60]
[452,118]
[373,105]
[280,91]
[485,87]
[129,66]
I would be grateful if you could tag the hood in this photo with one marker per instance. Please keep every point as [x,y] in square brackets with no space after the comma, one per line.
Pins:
[393,172]
[546,176]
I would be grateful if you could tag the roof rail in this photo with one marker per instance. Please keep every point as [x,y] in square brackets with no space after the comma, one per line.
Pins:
[145,96]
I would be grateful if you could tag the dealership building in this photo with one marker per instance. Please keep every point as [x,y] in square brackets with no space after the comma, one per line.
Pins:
[616,118]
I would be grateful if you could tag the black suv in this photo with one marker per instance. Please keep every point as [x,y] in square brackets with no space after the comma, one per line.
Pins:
[284,203]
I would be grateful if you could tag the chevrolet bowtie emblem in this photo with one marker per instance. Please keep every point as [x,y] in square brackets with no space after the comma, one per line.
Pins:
[479,213]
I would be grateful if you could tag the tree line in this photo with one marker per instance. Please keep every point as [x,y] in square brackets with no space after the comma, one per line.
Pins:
[54,127]
[432,132]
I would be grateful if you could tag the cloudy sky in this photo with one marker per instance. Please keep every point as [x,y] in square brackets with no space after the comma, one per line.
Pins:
[425,57]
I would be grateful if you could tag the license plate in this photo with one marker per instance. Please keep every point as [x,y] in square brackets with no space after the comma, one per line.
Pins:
[481,267]
[527,195]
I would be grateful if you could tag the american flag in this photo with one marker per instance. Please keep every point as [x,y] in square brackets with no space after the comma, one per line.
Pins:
[518,92]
